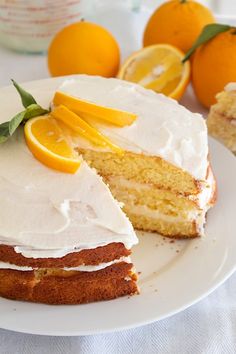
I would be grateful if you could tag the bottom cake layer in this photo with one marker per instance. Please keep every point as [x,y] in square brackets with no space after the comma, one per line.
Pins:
[57,286]
[168,228]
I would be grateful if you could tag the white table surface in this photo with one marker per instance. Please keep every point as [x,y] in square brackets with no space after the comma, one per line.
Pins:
[207,327]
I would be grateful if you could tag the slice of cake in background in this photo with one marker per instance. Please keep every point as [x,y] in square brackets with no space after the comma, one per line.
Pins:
[63,237]
[164,177]
[221,120]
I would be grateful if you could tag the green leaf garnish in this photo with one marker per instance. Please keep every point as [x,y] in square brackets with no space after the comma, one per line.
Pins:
[208,32]
[4,131]
[32,110]
[26,98]
[14,123]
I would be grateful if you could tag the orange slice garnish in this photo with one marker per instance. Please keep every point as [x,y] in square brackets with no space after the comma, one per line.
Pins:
[111,115]
[81,127]
[49,145]
[158,67]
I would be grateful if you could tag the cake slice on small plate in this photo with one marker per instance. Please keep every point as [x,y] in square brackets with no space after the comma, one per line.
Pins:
[221,120]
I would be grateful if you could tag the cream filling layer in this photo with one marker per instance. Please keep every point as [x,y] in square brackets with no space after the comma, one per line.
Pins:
[201,199]
[81,268]
[29,252]
[143,210]
[199,217]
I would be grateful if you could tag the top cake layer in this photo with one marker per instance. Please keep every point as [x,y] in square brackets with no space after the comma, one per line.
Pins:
[163,127]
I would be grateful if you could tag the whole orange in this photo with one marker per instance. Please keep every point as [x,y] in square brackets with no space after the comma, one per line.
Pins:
[177,22]
[213,66]
[83,48]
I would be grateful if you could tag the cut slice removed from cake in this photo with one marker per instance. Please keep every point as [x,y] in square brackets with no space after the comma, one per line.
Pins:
[221,120]
[164,177]
[63,238]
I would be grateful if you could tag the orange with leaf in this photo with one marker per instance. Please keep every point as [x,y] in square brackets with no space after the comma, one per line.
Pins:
[213,64]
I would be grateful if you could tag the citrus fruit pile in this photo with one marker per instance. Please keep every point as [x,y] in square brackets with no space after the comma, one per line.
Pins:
[87,48]
[176,28]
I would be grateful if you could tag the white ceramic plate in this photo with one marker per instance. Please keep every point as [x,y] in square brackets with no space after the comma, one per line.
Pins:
[174,275]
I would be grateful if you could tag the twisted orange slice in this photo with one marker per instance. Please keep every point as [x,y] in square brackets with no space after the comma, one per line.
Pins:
[111,115]
[81,127]
[49,145]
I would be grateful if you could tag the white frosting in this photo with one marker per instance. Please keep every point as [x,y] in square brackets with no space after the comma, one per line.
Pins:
[44,211]
[231,86]
[162,128]
[81,268]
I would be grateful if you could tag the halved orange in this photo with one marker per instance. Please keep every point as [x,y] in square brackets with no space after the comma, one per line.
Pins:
[80,126]
[158,67]
[111,115]
[48,143]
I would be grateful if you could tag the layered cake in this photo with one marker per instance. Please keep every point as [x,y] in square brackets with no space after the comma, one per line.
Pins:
[64,238]
[222,117]
[164,178]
